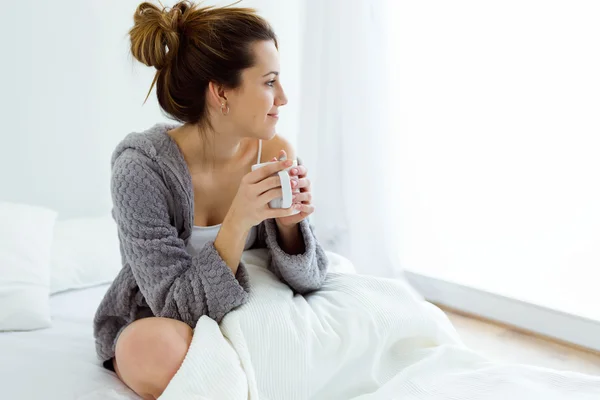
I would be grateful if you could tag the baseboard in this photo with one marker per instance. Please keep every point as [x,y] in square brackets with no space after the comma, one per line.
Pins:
[555,324]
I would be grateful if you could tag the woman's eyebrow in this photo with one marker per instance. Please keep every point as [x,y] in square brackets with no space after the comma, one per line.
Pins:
[272,72]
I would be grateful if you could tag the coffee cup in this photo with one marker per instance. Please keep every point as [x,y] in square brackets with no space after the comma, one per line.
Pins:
[286,186]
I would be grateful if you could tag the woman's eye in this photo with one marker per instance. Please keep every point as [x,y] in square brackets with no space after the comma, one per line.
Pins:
[271,83]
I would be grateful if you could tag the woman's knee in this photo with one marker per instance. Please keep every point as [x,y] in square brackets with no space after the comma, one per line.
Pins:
[149,352]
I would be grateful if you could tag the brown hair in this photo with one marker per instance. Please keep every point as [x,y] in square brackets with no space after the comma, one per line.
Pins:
[191,46]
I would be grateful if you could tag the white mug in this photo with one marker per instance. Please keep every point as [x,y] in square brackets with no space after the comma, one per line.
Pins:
[286,186]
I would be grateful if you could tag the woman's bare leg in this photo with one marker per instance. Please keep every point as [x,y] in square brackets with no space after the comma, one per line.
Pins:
[149,352]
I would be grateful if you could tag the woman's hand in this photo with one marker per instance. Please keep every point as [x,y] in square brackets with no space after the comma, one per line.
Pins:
[251,203]
[302,196]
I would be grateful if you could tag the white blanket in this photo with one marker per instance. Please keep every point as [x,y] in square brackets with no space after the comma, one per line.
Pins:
[359,337]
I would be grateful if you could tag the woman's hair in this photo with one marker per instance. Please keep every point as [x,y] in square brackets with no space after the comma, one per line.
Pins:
[191,46]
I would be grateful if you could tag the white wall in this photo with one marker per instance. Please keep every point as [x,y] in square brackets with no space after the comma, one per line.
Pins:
[71,91]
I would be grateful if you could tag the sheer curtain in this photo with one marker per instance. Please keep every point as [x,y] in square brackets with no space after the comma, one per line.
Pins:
[344,120]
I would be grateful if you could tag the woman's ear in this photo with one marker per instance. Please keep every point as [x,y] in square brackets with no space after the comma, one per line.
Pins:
[216,94]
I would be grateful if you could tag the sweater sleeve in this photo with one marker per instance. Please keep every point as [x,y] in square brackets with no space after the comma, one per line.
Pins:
[302,272]
[173,283]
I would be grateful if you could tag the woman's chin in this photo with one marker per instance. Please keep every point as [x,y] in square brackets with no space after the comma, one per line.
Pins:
[268,135]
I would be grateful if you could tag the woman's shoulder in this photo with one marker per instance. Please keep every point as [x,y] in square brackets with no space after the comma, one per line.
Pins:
[145,146]
[147,176]
[149,143]
[144,153]
[272,147]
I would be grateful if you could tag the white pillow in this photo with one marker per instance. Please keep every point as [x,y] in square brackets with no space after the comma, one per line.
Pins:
[25,243]
[85,253]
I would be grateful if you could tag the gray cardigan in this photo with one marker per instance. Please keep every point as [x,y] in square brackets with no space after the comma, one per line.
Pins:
[153,206]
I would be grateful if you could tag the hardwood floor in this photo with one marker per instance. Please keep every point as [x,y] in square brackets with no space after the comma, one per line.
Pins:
[505,343]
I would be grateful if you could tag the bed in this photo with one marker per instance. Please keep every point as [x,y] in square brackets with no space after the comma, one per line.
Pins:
[59,362]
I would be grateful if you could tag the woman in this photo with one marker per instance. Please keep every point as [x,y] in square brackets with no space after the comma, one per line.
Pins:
[184,199]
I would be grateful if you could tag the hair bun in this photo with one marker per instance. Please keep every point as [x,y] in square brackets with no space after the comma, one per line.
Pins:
[155,33]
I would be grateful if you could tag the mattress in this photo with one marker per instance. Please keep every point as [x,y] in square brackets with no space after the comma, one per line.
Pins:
[59,362]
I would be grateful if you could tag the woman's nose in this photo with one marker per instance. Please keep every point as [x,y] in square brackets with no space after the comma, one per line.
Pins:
[281,100]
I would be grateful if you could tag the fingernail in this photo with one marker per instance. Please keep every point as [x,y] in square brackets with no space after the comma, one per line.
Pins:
[294,171]
[294,184]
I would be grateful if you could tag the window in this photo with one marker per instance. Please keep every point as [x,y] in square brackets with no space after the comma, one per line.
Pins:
[497,143]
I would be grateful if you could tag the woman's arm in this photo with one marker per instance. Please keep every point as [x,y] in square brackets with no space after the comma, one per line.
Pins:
[296,255]
[303,272]
[230,242]
[290,239]
[174,284]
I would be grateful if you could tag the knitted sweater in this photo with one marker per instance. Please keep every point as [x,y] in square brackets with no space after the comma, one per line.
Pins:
[153,206]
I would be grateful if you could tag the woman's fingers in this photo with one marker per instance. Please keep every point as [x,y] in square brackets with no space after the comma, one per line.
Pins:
[299,170]
[305,209]
[270,195]
[274,181]
[267,184]
[303,183]
[281,156]
[285,212]
[266,171]
[304,197]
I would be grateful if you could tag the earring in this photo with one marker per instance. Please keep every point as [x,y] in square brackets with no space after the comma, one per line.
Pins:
[222,108]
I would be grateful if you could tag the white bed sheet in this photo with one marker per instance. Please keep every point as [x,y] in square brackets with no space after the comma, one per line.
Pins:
[59,362]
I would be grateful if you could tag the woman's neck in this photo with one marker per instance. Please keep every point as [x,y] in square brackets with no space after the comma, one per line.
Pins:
[204,148]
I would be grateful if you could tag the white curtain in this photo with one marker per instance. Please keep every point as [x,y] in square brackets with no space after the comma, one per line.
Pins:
[344,120]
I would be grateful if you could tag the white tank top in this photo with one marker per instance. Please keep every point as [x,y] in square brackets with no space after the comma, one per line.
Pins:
[204,234]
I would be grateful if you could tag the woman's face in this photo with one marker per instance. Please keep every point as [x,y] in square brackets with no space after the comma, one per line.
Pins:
[254,106]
